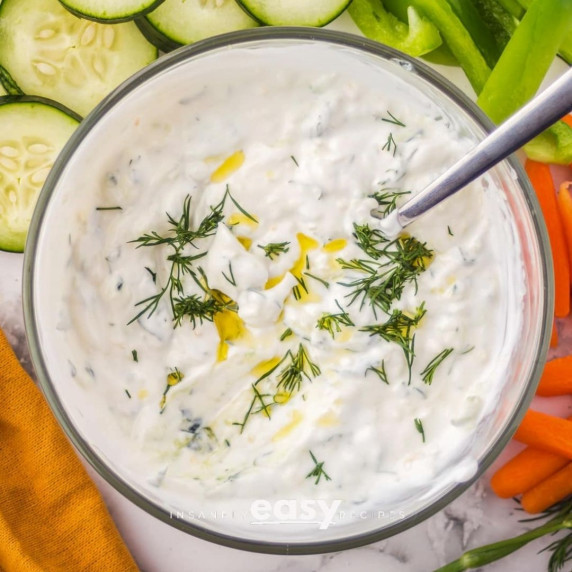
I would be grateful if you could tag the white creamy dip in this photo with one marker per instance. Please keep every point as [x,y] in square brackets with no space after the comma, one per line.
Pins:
[302,140]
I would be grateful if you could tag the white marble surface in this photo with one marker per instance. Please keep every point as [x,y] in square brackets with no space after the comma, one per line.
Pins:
[475,518]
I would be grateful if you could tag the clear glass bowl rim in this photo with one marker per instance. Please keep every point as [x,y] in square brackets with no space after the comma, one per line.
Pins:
[230,40]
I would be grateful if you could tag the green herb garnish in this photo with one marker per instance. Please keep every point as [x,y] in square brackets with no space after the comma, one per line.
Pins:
[274,248]
[392,119]
[419,427]
[379,371]
[390,144]
[108,208]
[398,329]
[318,471]
[429,371]
[333,322]
[134,355]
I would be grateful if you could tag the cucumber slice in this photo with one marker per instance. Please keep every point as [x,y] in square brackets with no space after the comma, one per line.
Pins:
[33,130]
[294,12]
[178,22]
[51,53]
[110,11]
[7,84]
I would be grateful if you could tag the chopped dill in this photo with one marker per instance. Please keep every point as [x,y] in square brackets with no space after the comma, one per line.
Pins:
[429,371]
[134,355]
[333,322]
[108,208]
[379,371]
[318,471]
[274,249]
[294,159]
[419,427]
[387,200]
[286,334]
[392,119]
[324,282]
[231,279]
[127,393]
[398,329]
[390,144]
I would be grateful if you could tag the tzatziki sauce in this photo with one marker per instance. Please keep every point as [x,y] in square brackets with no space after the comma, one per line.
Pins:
[243,333]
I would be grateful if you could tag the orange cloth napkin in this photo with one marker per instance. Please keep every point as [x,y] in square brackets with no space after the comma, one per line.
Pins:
[52,517]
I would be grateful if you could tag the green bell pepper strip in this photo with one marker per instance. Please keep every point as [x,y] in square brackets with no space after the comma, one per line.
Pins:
[457,39]
[470,17]
[376,23]
[526,58]
[513,7]
[566,48]
[498,20]
[553,145]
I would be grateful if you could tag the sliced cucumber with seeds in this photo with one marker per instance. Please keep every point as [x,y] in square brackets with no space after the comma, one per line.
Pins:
[178,22]
[110,11]
[33,131]
[294,12]
[7,84]
[51,53]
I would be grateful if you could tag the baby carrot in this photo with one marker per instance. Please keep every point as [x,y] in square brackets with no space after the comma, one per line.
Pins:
[564,201]
[554,335]
[549,491]
[524,471]
[556,378]
[546,432]
[541,179]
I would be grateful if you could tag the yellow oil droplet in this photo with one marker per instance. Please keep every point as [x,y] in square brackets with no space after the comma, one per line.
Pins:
[289,427]
[335,245]
[328,420]
[230,328]
[345,335]
[231,164]
[142,394]
[240,218]
[282,397]
[245,241]
[306,243]
[271,282]
[265,366]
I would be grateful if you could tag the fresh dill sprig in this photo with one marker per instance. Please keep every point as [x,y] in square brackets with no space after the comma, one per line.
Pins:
[300,367]
[391,119]
[198,309]
[387,200]
[390,144]
[398,329]
[379,371]
[318,471]
[285,334]
[383,279]
[179,238]
[297,289]
[274,248]
[333,322]
[289,379]
[419,427]
[153,274]
[229,278]
[429,371]
[370,240]
[318,279]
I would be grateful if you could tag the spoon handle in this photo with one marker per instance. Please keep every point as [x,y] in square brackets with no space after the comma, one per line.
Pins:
[529,121]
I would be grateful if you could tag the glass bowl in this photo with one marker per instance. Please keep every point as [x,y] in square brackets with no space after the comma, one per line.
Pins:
[47,256]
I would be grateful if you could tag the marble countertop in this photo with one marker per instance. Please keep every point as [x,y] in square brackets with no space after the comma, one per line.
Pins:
[475,518]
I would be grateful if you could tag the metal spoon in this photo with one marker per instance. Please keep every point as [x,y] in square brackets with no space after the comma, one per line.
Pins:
[529,121]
